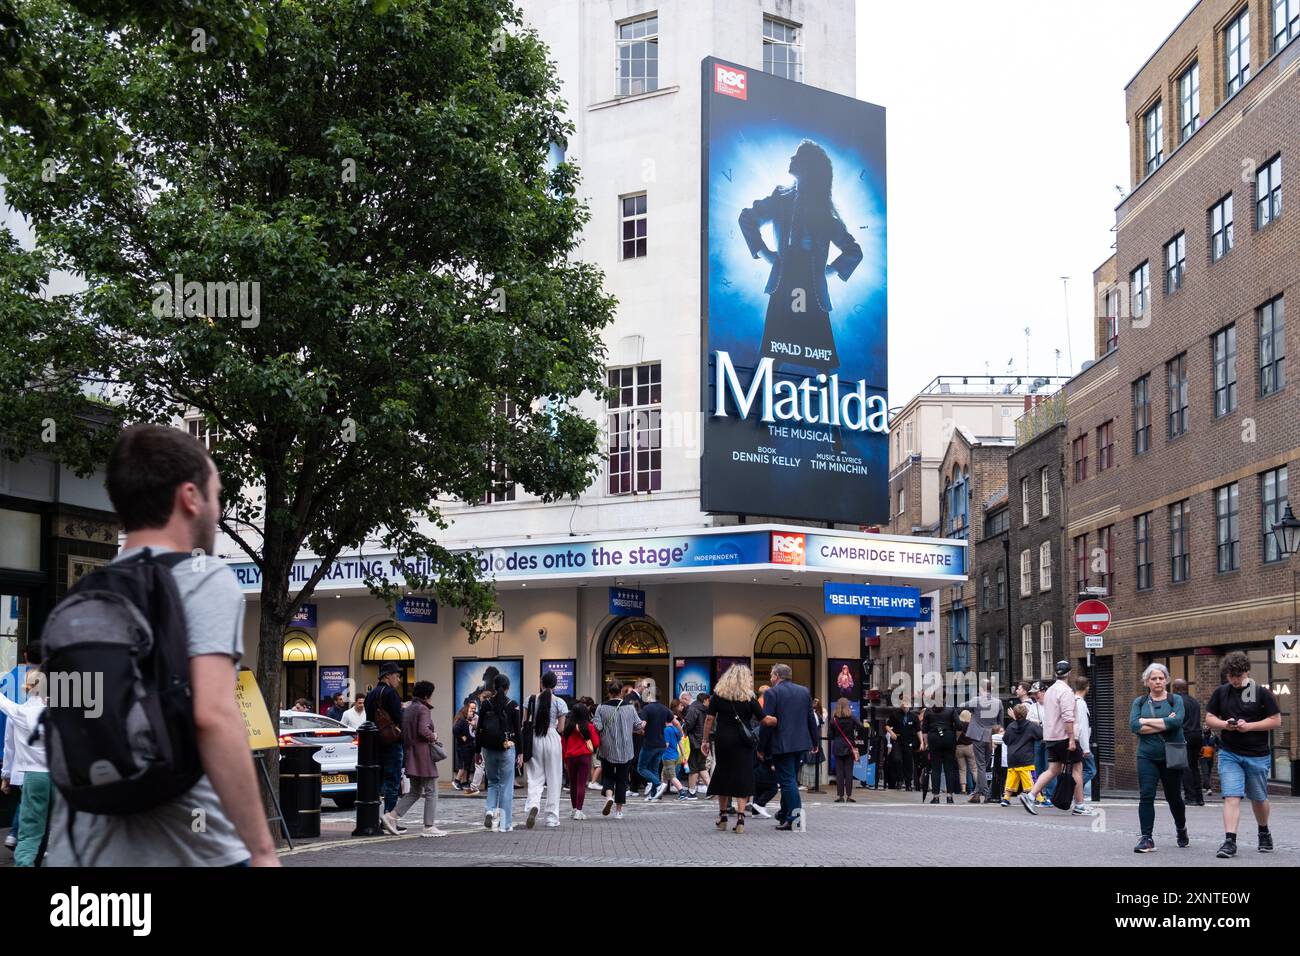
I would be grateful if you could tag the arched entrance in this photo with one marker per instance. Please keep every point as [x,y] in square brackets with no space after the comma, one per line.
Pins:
[784,640]
[298,668]
[636,647]
[388,642]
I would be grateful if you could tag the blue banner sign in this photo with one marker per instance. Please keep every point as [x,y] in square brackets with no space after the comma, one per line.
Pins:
[305,616]
[626,602]
[333,680]
[417,610]
[872,600]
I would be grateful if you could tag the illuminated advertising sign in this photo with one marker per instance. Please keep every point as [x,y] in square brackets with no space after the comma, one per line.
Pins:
[794,300]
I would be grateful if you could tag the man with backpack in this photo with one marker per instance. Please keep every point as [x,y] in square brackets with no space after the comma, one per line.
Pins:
[197,802]
[384,710]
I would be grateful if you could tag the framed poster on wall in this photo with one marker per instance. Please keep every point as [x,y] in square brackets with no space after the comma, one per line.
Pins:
[565,670]
[467,676]
[692,674]
[844,679]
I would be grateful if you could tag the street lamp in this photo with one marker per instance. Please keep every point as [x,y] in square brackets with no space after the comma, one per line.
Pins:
[1287,535]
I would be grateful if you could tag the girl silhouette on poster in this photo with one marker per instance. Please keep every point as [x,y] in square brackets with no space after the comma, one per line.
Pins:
[803,217]
[845,679]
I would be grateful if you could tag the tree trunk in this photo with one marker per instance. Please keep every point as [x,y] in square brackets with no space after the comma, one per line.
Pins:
[270,648]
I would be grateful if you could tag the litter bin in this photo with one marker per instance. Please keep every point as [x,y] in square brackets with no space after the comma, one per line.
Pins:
[300,790]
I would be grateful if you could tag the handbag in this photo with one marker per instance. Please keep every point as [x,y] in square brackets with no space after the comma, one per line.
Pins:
[1175,750]
[437,751]
[389,732]
[747,735]
[852,749]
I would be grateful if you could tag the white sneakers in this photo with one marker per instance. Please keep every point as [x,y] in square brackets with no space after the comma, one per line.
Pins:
[578,815]
[649,788]
[389,822]
[496,820]
[618,815]
[593,785]
[660,791]
[552,824]
[11,841]
[760,810]
[432,832]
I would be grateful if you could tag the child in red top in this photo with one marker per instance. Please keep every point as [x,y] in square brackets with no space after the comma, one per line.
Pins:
[580,740]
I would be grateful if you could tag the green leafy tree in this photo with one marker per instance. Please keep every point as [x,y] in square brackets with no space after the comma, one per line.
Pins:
[388,300]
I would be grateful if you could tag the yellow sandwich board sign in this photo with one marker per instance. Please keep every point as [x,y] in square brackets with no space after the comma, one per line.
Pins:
[261,732]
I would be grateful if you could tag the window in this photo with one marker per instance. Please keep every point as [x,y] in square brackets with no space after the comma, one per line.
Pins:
[1045,649]
[1179,555]
[199,428]
[1105,446]
[1236,41]
[638,55]
[1154,126]
[1189,102]
[1226,533]
[1268,192]
[1272,494]
[1286,22]
[1142,543]
[634,457]
[1002,586]
[1080,446]
[1024,501]
[1224,355]
[635,221]
[1221,228]
[782,55]
[1026,573]
[902,501]
[1081,564]
[1142,415]
[997,523]
[1140,286]
[1045,566]
[1175,262]
[1027,647]
[1176,373]
[1272,347]
[1112,320]
[1042,492]
[1105,543]
[502,486]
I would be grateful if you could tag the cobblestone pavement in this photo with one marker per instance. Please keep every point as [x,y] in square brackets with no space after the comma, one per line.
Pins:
[882,828]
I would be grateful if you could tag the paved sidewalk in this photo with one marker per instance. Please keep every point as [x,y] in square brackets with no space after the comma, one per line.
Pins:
[883,827]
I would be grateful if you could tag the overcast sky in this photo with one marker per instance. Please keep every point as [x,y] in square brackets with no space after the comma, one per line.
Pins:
[1007,137]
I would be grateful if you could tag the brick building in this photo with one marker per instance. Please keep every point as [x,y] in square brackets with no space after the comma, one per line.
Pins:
[991,572]
[1182,434]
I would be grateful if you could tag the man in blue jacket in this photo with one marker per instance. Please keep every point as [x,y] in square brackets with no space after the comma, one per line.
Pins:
[787,708]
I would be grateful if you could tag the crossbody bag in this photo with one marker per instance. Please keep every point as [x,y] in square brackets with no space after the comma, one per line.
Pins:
[1175,750]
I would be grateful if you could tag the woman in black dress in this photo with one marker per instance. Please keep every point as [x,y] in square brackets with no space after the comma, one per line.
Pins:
[939,737]
[731,730]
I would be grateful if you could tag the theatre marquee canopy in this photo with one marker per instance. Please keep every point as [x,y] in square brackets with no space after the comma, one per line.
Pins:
[768,552]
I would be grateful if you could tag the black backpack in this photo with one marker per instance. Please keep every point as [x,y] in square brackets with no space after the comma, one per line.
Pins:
[494,725]
[126,622]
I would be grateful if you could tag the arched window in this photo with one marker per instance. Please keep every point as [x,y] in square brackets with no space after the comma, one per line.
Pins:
[783,640]
[387,642]
[636,638]
[299,648]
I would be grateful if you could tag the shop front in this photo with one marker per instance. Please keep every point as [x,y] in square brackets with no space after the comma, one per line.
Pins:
[620,608]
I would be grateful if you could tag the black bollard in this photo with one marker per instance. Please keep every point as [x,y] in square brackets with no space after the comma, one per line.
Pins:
[369,778]
[300,790]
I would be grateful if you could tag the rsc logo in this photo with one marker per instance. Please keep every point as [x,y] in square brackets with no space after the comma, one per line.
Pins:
[787,548]
[730,82]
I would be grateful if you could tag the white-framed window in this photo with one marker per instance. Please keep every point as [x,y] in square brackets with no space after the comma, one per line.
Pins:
[1286,22]
[502,487]
[634,457]
[634,224]
[1221,228]
[638,55]
[1045,650]
[199,428]
[1027,647]
[782,52]
[1024,501]
[1045,566]
[1268,192]
[1026,573]
[902,500]
[1042,489]
[1140,288]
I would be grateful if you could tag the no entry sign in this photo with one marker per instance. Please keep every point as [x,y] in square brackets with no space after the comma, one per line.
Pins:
[1092,617]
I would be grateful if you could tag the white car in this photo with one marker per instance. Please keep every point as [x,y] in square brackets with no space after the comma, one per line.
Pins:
[337,755]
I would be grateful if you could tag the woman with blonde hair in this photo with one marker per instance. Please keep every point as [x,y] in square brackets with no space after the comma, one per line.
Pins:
[732,722]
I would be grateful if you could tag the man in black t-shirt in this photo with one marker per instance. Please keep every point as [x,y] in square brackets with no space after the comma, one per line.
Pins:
[1243,711]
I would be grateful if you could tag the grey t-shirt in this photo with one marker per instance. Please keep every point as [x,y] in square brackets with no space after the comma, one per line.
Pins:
[170,835]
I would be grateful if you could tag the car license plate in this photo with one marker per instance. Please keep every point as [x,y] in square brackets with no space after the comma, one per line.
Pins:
[330,778]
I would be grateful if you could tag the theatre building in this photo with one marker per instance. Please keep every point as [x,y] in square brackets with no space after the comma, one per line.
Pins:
[746,445]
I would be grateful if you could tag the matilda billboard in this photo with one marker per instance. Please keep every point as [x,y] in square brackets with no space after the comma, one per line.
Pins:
[794,304]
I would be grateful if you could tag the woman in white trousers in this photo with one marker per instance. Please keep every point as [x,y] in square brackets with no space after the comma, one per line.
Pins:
[546,766]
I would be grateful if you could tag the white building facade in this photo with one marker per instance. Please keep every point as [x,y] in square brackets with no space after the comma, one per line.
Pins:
[631,74]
